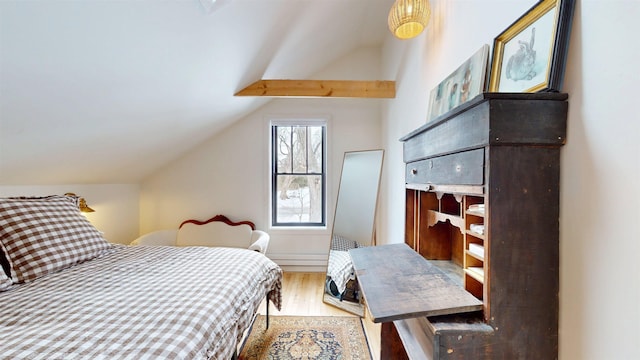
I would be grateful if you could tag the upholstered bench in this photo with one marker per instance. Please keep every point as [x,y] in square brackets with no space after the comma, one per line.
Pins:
[218,231]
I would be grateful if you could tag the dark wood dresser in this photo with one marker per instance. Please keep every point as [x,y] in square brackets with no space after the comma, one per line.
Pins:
[478,275]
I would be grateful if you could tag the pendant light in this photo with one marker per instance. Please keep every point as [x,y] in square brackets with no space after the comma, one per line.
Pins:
[407,18]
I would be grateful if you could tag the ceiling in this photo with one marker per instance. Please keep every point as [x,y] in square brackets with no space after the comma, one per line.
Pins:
[107,91]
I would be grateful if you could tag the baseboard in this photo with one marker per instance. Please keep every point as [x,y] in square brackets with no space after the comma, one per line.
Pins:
[305,269]
[300,262]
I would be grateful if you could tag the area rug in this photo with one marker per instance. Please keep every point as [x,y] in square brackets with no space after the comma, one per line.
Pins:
[306,338]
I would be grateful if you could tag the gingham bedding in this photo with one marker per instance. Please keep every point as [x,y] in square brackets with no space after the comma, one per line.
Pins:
[340,269]
[341,243]
[139,303]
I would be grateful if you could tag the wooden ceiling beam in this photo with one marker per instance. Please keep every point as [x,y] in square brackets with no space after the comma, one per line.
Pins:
[377,89]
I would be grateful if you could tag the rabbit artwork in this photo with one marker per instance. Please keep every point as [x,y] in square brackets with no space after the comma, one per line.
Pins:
[520,65]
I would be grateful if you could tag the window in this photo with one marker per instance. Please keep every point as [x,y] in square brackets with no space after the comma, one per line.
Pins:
[298,152]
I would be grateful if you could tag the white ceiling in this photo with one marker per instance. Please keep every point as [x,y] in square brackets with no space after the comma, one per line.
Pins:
[107,91]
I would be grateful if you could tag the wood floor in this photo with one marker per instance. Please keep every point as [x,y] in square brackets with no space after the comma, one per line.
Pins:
[302,296]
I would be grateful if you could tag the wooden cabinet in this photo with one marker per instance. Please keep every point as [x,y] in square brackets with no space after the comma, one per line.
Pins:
[482,204]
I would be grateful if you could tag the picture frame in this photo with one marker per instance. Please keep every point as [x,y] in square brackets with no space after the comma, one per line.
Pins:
[465,83]
[530,55]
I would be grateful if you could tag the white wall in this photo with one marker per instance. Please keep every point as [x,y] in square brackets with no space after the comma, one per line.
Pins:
[600,278]
[599,243]
[230,175]
[115,205]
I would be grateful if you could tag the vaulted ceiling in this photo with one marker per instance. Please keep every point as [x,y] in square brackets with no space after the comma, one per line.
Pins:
[107,91]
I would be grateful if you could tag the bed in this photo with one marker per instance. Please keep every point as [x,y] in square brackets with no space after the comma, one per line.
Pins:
[87,299]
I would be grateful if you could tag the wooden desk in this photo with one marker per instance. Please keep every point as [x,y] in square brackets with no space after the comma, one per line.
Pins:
[501,152]
[398,283]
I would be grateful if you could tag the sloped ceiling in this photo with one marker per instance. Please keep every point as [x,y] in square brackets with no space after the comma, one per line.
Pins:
[107,91]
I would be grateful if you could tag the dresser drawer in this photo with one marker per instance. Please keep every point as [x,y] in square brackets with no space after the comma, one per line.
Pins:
[464,168]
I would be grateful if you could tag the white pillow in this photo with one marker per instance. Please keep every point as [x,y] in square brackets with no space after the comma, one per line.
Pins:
[5,282]
[214,234]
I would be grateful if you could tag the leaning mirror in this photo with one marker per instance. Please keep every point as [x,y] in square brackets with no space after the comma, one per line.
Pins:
[353,226]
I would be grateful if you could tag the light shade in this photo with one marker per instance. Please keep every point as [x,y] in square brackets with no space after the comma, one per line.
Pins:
[84,207]
[407,18]
[82,203]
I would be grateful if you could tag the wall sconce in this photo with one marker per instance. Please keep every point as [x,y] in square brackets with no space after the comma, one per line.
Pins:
[82,203]
[407,18]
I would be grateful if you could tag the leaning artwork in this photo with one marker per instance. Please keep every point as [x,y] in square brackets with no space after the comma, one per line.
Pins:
[461,86]
[530,55]
[524,68]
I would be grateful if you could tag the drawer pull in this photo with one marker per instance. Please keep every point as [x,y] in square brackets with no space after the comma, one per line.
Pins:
[414,171]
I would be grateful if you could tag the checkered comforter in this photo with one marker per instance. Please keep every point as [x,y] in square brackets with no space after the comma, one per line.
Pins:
[340,269]
[139,303]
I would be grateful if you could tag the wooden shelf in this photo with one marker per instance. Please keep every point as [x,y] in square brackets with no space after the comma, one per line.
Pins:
[472,272]
[433,217]
[475,213]
[475,234]
[457,189]
[474,255]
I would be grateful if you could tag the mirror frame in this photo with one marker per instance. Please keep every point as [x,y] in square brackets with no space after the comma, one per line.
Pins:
[353,307]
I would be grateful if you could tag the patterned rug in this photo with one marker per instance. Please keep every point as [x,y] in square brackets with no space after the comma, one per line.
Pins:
[306,338]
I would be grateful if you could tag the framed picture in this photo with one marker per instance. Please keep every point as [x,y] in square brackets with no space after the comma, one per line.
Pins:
[530,55]
[462,85]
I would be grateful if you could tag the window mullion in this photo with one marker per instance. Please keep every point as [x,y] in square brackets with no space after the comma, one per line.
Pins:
[291,149]
[306,149]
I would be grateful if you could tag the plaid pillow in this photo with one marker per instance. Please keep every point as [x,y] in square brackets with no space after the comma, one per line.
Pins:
[43,235]
[341,243]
